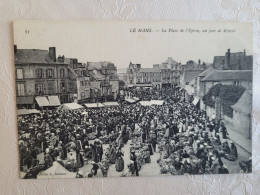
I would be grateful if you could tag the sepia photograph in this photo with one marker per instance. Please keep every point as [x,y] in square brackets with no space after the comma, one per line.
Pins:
[133,99]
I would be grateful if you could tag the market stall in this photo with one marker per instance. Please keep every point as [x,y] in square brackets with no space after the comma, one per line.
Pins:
[70,106]
[145,103]
[110,104]
[94,105]
[157,102]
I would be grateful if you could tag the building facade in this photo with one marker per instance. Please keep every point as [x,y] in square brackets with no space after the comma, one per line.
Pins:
[38,73]
[233,61]
[166,74]
[104,82]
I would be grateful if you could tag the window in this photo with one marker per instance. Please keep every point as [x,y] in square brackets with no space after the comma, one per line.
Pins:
[82,95]
[236,83]
[50,73]
[19,73]
[39,73]
[81,83]
[63,87]
[131,81]
[38,89]
[62,73]
[50,87]
[20,89]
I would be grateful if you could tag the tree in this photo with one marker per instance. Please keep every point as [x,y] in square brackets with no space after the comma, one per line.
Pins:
[229,95]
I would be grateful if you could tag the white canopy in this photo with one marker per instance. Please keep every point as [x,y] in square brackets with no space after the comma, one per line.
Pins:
[70,106]
[130,100]
[145,103]
[22,112]
[157,102]
[110,104]
[56,171]
[26,112]
[195,101]
[54,100]
[42,101]
[94,105]
[34,111]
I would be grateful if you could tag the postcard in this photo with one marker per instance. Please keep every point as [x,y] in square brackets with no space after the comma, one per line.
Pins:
[133,98]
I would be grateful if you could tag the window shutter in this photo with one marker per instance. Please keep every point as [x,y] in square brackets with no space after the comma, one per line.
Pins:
[52,73]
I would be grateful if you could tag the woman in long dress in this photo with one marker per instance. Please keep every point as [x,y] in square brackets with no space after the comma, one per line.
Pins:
[112,154]
[119,161]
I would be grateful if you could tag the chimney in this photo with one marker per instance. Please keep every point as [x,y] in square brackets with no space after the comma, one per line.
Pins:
[15,48]
[199,62]
[61,58]
[138,65]
[52,53]
[227,60]
[244,52]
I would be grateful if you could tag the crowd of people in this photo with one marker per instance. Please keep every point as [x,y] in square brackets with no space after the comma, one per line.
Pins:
[187,139]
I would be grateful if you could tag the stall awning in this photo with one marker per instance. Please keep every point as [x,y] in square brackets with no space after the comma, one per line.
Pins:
[157,102]
[110,104]
[130,100]
[196,101]
[42,101]
[94,105]
[70,106]
[135,98]
[34,111]
[145,103]
[21,112]
[144,85]
[54,100]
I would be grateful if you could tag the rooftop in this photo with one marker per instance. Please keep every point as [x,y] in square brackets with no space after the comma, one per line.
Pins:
[229,75]
[97,75]
[100,65]
[191,74]
[206,72]
[35,56]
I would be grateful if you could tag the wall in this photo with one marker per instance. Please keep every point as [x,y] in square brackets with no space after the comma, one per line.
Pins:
[242,122]
[215,10]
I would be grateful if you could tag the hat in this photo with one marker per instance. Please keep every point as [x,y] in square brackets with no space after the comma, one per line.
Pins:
[92,162]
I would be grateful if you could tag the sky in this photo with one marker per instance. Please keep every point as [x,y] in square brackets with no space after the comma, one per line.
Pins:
[115,41]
